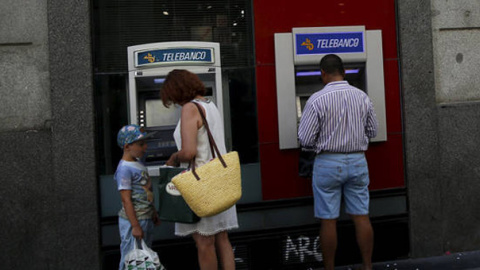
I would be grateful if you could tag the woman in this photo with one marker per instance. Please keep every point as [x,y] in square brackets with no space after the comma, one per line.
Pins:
[210,233]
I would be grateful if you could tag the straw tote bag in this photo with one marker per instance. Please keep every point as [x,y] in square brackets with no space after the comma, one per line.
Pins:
[213,187]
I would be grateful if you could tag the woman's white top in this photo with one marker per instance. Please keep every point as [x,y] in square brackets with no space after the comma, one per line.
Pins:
[226,220]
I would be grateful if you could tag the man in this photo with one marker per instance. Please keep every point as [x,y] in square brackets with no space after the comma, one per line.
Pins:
[337,123]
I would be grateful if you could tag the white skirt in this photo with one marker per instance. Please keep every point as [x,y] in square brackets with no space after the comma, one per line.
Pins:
[226,220]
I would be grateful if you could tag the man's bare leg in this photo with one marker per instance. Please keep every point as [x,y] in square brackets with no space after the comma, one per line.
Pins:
[364,233]
[328,239]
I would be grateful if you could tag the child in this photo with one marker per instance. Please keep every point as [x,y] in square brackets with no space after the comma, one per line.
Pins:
[138,215]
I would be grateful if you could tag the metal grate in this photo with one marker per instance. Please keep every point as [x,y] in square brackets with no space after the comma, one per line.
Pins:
[122,23]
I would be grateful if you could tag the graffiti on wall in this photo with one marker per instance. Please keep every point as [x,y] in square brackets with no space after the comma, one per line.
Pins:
[302,249]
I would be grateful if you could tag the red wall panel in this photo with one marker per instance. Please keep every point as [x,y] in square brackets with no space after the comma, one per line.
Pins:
[392,96]
[267,103]
[279,169]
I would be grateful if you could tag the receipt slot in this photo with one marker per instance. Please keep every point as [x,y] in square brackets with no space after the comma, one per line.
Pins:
[148,65]
[297,58]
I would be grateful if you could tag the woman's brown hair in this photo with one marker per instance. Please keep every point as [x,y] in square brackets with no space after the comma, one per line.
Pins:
[180,87]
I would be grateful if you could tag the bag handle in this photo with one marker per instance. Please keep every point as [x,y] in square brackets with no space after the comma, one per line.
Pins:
[143,245]
[140,244]
[137,244]
[213,145]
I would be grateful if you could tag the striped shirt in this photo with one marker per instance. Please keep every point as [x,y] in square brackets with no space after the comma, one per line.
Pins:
[339,118]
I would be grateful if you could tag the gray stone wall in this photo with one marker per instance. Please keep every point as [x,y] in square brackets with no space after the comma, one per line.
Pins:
[456,35]
[25,137]
[420,126]
[48,181]
[440,112]
[24,82]
[73,138]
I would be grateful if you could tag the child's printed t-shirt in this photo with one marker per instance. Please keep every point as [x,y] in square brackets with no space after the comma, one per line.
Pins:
[132,175]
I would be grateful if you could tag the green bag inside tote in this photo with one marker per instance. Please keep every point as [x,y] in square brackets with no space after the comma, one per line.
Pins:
[172,207]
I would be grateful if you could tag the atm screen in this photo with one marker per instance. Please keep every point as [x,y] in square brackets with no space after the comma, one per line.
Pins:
[308,81]
[158,115]
[307,76]
[151,111]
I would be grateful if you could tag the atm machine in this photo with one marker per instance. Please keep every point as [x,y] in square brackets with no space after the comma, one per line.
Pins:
[297,58]
[148,65]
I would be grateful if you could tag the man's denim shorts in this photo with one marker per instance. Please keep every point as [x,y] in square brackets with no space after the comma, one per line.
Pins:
[335,174]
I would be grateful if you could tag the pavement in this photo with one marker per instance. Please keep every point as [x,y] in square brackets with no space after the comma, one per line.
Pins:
[455,261]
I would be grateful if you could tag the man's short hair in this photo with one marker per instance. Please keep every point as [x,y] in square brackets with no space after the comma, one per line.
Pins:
[332,64]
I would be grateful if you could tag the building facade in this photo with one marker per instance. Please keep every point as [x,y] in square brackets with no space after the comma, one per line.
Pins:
[54,151]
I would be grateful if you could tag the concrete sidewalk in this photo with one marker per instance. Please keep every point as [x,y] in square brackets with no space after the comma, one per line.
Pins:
[456,261]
